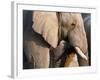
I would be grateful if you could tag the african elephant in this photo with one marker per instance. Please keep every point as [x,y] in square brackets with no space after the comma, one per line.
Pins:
[55,27]
[46,33]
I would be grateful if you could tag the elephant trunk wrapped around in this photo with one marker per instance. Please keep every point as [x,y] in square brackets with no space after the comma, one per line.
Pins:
[48,31]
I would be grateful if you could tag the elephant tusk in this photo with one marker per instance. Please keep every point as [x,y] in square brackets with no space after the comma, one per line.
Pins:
[81,53]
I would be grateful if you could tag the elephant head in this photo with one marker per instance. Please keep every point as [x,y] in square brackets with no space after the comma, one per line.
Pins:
[55,27]
[72,29]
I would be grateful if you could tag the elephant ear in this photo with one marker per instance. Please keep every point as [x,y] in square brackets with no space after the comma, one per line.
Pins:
[46,24]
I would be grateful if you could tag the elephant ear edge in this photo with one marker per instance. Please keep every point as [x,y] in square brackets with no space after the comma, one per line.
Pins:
[46,24]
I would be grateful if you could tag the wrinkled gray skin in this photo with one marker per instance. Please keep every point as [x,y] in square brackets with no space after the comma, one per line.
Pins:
[87,26]
[71,29]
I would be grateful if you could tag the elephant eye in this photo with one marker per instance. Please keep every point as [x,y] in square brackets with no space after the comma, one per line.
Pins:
[73,24]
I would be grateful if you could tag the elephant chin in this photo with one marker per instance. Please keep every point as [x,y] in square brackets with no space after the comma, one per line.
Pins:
[80,53]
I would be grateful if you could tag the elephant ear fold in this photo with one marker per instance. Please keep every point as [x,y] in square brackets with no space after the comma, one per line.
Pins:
[46,24]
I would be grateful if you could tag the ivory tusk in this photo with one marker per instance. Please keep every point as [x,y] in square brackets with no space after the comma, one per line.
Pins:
[80,53]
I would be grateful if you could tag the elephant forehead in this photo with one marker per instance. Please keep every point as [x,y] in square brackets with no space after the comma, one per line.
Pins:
[66,17]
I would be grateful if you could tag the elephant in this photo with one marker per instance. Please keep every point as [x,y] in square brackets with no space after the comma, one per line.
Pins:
[57,26]
[43,39]
[31,44]
[87,26]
